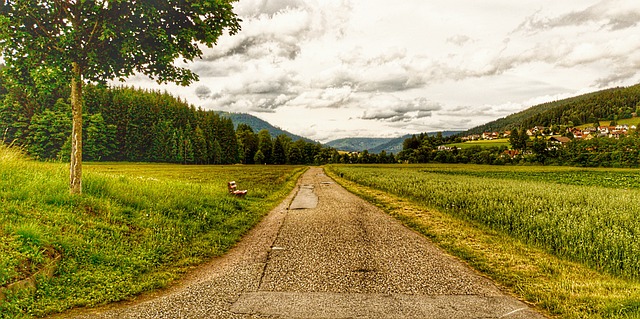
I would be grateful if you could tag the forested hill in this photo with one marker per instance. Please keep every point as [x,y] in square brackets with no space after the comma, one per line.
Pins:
[120,124]
[258,125]
[359,144]
[608,105]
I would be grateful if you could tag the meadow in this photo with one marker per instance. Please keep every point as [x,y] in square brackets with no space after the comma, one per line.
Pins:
[482,143]
[569,218]
[137,227]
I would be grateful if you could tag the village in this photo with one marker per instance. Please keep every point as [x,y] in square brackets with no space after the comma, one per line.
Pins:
[587,133]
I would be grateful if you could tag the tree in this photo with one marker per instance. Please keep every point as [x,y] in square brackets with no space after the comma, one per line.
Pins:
[279,154]
[265,146]
[248,143]
[523,139]
[97,40]
[514,139]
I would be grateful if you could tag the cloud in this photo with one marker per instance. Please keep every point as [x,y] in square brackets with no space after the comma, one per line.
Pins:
[459,39]
[203,92]
[257,8]
[363,63]
[611,14]
[387,107]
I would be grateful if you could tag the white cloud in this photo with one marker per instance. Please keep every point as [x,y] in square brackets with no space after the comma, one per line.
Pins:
[336,68]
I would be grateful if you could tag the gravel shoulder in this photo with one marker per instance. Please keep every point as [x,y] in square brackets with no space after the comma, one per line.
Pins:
[326,253]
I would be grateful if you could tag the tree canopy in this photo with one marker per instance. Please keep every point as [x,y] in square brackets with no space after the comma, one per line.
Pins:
[48,43]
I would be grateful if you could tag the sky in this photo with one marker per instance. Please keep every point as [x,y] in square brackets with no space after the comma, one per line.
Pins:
[329,69]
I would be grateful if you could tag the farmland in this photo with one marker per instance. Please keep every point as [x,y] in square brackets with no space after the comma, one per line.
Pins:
[590,217]
[592,221]
[483,143]
[137,227]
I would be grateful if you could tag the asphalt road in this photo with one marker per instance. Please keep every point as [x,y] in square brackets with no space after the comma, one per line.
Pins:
[326,253]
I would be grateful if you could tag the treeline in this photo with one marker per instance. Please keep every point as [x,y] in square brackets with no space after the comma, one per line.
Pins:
[610,105]
[525,150]
[120,124]
[127,124]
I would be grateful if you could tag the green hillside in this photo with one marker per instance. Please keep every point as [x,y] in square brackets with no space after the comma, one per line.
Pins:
[606,105]
[258,124]
[377,145]
[357,144]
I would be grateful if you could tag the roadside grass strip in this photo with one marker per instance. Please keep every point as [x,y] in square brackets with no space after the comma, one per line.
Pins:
[556,284]
[137,227]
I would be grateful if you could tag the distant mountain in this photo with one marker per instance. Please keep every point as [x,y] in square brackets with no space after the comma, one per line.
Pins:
[376,145]
[258,125]
[358,144]
[605,105]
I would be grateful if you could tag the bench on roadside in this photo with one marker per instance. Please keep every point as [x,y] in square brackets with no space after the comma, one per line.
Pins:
[233,190]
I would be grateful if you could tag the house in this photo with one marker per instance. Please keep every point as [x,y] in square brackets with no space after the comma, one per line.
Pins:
[562,140]
[506,134]
[603,129]
[624,127]
[490,135]
[471,137]
[617,134]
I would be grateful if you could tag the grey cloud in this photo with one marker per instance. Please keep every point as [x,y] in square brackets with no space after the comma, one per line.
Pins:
[459,39]
[392,109]
[606,12]
[617,77]
[203,92]
[257,47]
[268,7]
[394,84]
[258,95]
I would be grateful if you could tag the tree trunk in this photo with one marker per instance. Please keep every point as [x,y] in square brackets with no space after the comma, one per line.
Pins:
[76,132]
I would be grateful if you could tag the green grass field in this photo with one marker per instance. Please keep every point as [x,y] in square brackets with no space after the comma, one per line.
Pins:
[564,239]
[137,227]
[632,121]
[483,143]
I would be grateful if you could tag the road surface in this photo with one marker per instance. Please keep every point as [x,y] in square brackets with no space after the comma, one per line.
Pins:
[325,253]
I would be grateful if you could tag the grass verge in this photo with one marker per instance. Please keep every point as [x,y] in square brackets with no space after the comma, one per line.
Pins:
[558,288]
[137,227]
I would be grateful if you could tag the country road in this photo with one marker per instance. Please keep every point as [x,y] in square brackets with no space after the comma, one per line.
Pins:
[325,253]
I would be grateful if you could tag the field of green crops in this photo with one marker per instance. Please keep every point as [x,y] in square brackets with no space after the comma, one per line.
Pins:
[591,216]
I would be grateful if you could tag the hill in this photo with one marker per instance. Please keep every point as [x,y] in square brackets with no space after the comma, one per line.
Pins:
[358,144]
[258,125]
[376,145]
[605,105]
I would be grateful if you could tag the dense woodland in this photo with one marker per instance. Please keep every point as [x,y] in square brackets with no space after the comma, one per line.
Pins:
[606,105]
[126,124]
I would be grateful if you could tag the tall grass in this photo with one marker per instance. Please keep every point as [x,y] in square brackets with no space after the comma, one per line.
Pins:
[592,224]
[136,227]
[559,287]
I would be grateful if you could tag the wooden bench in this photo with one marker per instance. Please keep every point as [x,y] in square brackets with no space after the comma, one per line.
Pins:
[233,190]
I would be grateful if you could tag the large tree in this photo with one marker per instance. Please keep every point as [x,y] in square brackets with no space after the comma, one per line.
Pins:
[79,41]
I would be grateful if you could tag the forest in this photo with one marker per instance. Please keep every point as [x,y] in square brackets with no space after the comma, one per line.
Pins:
[606,105]
[127,124]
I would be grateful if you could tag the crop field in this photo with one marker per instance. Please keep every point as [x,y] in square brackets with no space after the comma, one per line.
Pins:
[590,216]
[136,227]
[483,143]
